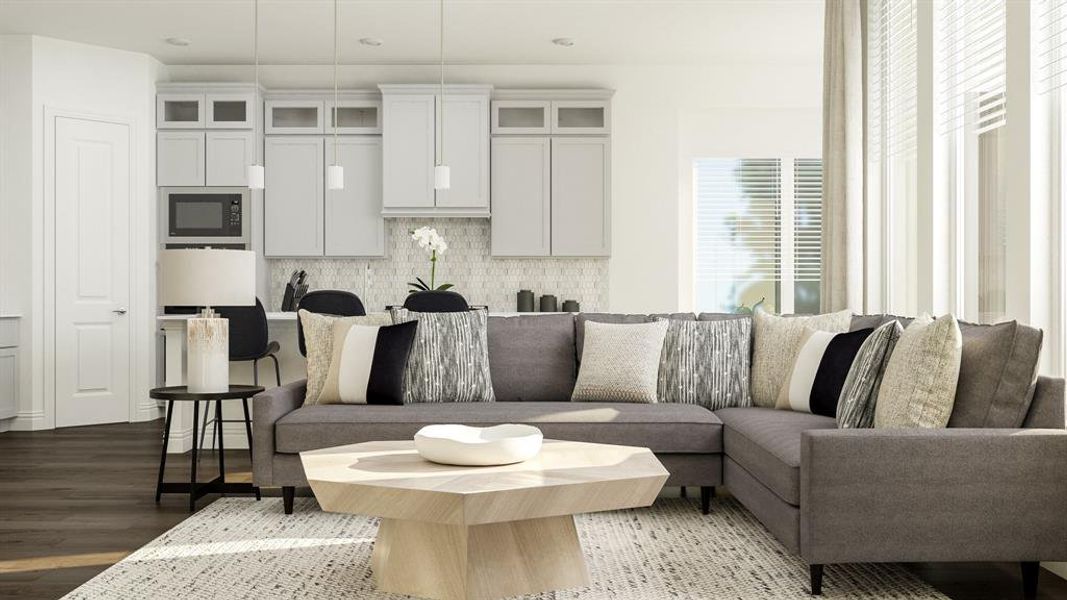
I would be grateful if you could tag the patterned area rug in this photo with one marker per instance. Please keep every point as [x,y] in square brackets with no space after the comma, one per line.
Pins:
[240,548]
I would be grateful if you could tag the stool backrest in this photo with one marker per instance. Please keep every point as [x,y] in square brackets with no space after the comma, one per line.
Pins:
[248,330]
[328,302]
[435,301]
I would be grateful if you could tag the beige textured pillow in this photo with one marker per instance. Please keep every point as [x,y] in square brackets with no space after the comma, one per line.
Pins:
[318,339]
[620,362]
[776,343]
[919,385]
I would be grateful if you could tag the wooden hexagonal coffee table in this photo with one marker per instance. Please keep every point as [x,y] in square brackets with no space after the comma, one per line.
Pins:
[480,532]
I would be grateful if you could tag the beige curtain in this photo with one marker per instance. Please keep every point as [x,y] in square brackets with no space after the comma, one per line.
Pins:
[843,157]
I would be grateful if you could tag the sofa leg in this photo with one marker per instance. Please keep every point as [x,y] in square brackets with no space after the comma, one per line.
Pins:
[816,580]
[288,493]
[1031,571]
[706,494]
[682,493]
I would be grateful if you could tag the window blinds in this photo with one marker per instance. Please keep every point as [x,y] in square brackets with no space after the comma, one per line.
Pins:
[892,76]
[807,219]
[738,220]
[1051,36]
[972,64]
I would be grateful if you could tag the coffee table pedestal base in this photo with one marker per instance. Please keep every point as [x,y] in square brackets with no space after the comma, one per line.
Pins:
[478,562]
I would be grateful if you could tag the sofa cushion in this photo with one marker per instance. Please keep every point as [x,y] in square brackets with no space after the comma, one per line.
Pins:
[531,357]
[664,428]
[620,362]
[766,442]
[998,368]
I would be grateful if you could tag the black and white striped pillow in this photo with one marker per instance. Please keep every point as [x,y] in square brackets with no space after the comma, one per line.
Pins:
[368,364]
[818,375]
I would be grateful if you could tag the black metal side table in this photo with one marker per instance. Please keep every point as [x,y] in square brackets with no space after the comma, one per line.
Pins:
[219,485]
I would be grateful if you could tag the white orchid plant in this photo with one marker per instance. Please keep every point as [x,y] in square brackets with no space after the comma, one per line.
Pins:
[432,242]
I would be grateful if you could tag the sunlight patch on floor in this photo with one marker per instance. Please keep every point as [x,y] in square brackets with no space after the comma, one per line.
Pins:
[46,563]
[239,547]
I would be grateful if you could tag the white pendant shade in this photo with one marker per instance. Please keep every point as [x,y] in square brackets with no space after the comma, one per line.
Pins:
[255,177]
[335,177]
[442,177]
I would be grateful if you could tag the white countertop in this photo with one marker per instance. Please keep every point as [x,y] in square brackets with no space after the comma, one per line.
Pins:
[291,316]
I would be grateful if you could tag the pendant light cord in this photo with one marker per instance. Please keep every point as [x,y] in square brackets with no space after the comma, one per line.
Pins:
[255,54]
[336,58]
[441,57]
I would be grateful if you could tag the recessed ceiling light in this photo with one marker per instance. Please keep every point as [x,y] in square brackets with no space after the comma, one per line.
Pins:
[371,41]
[177,41]
[565,42]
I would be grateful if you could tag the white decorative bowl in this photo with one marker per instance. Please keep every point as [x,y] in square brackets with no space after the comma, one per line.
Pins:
[478,446]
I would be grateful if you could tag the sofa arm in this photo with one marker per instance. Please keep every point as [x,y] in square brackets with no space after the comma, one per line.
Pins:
[267,408]
[870,495]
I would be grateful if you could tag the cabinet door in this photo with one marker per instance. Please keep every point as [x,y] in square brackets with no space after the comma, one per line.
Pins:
[179,111]
[230,111]
[228,155]
[180,158]
[293,196]
[354,117]
[521,116]
[408,151]
[521,191]
[293,116]
[466,152]
[354,222]
[9,382]
[581,117]
[581,197]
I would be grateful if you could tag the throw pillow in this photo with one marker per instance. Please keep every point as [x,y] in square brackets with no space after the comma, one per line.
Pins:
[859,395]
[318,339]
[620,363]
[706,363]
[919,385]
[368,363]
[774,348]
[818,374]
[449,359]
[998,368]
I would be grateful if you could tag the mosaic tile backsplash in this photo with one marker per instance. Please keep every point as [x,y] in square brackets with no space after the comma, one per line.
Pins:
[467,265]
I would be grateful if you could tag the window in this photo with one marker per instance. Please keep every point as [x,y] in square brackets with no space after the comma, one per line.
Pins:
[758,233]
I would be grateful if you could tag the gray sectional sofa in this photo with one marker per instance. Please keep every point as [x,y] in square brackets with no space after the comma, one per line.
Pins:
[830,495]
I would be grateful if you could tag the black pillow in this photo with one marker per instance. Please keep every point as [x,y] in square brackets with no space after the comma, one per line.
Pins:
[368,364]
[819,371]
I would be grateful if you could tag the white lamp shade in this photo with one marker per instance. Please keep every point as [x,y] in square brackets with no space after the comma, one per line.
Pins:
[335,177]
[255,177]
[203,277]
[442,177]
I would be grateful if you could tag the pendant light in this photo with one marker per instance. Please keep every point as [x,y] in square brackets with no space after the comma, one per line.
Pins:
[255,173]
[442,175]
[335,173]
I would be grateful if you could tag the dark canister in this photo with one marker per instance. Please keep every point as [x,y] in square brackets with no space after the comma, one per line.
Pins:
[571,306]
[525,301]
[548,303]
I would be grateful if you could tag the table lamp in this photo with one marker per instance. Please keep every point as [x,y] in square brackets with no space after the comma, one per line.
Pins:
[206,278]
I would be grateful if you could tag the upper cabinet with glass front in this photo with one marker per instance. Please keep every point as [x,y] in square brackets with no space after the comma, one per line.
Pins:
[205,106]
[552,112]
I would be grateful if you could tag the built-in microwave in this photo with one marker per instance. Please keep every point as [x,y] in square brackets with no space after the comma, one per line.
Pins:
[205,216]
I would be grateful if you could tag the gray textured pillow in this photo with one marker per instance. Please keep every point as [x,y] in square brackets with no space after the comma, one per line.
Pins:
[449,360]
[318,339]
[618,318]
[919,385]
[706,363]
[998,368]
[620,363]
[776,341]
[859,395]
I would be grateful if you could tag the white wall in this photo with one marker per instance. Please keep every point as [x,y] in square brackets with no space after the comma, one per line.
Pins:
[652,111]
[42,74]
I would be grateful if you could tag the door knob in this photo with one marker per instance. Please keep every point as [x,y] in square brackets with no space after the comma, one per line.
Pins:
[120,311]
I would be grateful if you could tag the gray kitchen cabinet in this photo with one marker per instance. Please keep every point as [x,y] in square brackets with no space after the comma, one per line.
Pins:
[521,189]
[228,155]
[581,196]
[408,151]
[180,158]
[465,149]
[354,224]
[293,198]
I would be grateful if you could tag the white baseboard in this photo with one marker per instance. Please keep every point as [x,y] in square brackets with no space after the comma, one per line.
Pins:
[5,425]
[1058,568]
[29,421]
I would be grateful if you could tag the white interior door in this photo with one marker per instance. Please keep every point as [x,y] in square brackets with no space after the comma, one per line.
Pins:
[92,269]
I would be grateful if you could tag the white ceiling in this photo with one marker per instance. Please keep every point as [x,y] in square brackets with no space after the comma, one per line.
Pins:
[476,31]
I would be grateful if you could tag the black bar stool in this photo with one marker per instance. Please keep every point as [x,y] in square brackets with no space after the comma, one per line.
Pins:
[436,301]
[328,302]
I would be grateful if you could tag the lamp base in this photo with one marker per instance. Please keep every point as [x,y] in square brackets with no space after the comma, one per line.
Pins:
[207,355]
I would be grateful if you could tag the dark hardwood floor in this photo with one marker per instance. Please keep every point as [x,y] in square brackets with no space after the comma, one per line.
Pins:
[74,501]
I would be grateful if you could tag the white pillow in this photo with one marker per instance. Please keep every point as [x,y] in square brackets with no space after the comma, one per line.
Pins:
[620,362]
